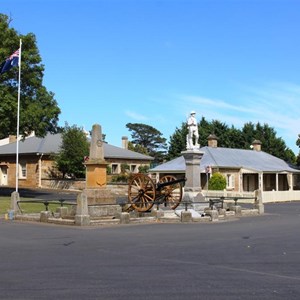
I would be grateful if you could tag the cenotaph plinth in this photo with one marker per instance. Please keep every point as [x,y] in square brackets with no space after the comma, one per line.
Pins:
[101,199]
[193,156]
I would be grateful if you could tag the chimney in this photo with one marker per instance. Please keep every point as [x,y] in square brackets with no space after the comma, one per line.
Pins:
[125,142]
[12,138]
[212,141]
[256,145]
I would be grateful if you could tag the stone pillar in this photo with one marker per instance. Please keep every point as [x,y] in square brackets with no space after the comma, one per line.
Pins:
[192,188]
[192,171]
[237,209]
[258,204]
[44,216]
[62,211]
[82,217]
[96,165]
[213,213]
[15,197]
[96,147]
[124,218]
[186,216]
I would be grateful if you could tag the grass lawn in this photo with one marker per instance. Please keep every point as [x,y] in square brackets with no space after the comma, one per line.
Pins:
[25,207]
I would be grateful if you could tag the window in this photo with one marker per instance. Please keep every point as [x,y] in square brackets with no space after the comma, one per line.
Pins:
[133,168]
[22,170]
[229,181]
[114,168]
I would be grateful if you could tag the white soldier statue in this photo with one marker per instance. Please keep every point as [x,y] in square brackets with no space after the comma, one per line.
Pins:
[193,132]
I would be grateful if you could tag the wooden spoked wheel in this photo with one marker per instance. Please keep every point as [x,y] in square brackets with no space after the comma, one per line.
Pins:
[172,193]
[141,192]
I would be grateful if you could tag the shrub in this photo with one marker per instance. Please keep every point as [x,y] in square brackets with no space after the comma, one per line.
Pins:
[144,169]
[217,182]
[120,178]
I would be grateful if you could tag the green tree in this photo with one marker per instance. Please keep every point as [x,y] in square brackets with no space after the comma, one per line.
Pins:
[38,109]
[150,138]
[231,137]
[74,147]
[217,182]
[177,142]
[270,143]
[137,148]
[298,144]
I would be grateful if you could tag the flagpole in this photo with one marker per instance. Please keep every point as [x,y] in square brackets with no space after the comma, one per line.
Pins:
[18,120]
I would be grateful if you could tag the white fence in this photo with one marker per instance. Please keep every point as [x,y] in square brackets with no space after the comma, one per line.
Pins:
[267,197]
[280,196]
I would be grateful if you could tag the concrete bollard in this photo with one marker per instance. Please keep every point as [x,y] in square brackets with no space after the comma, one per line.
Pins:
[213,213]
[258,204]
[237,209]
[44,216]
[62,211]
[15,197]
[158,214]
[124,218]
[186,216]
[82,217]
[222,211]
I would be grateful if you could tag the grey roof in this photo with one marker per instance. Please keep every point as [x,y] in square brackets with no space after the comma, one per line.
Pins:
[51,144]
[230,158]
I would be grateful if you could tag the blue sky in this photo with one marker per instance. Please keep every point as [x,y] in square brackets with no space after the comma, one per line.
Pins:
[153,61]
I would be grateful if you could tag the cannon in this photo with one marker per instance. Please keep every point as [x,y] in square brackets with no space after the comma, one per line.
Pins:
[143,192]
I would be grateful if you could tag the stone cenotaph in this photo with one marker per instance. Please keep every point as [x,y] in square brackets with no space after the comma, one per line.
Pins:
[96,165]
[100,198]
[193,156]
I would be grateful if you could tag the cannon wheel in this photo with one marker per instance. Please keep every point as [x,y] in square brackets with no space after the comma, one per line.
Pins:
[141,192]
[172,192]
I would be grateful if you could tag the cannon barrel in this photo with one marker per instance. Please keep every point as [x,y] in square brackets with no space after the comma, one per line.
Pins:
[160,185]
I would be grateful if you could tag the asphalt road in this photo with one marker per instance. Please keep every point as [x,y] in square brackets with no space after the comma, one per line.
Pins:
[250,258]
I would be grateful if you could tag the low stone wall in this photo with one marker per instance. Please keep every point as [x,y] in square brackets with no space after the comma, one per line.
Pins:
[104,211]
[79,184]
[64,184]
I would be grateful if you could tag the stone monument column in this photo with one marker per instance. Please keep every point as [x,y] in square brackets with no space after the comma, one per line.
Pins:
[192,188]
[193,155]
[96,165]
[192,171]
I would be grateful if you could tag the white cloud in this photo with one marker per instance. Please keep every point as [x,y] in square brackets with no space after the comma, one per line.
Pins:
[136,116]
[276,104]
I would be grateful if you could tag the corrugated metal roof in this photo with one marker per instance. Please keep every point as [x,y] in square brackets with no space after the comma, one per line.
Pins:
[230,158]
[51,144]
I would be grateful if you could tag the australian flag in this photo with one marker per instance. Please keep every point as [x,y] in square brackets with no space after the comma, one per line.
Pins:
[10,62]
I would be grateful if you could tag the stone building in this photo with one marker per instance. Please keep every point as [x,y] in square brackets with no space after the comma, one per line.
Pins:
[244,170]
[36,159]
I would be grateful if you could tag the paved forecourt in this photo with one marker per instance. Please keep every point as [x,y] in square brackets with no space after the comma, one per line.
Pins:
[252,257]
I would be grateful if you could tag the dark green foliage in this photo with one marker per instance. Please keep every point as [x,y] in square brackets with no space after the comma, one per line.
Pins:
[137,148]
[217,182]
[120,178]
[298,144]
[269,142]
[108,169]
[75,146]
[230,137]
[144,169]
[149,138]
[177,142]
[38,109]
[124,168]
